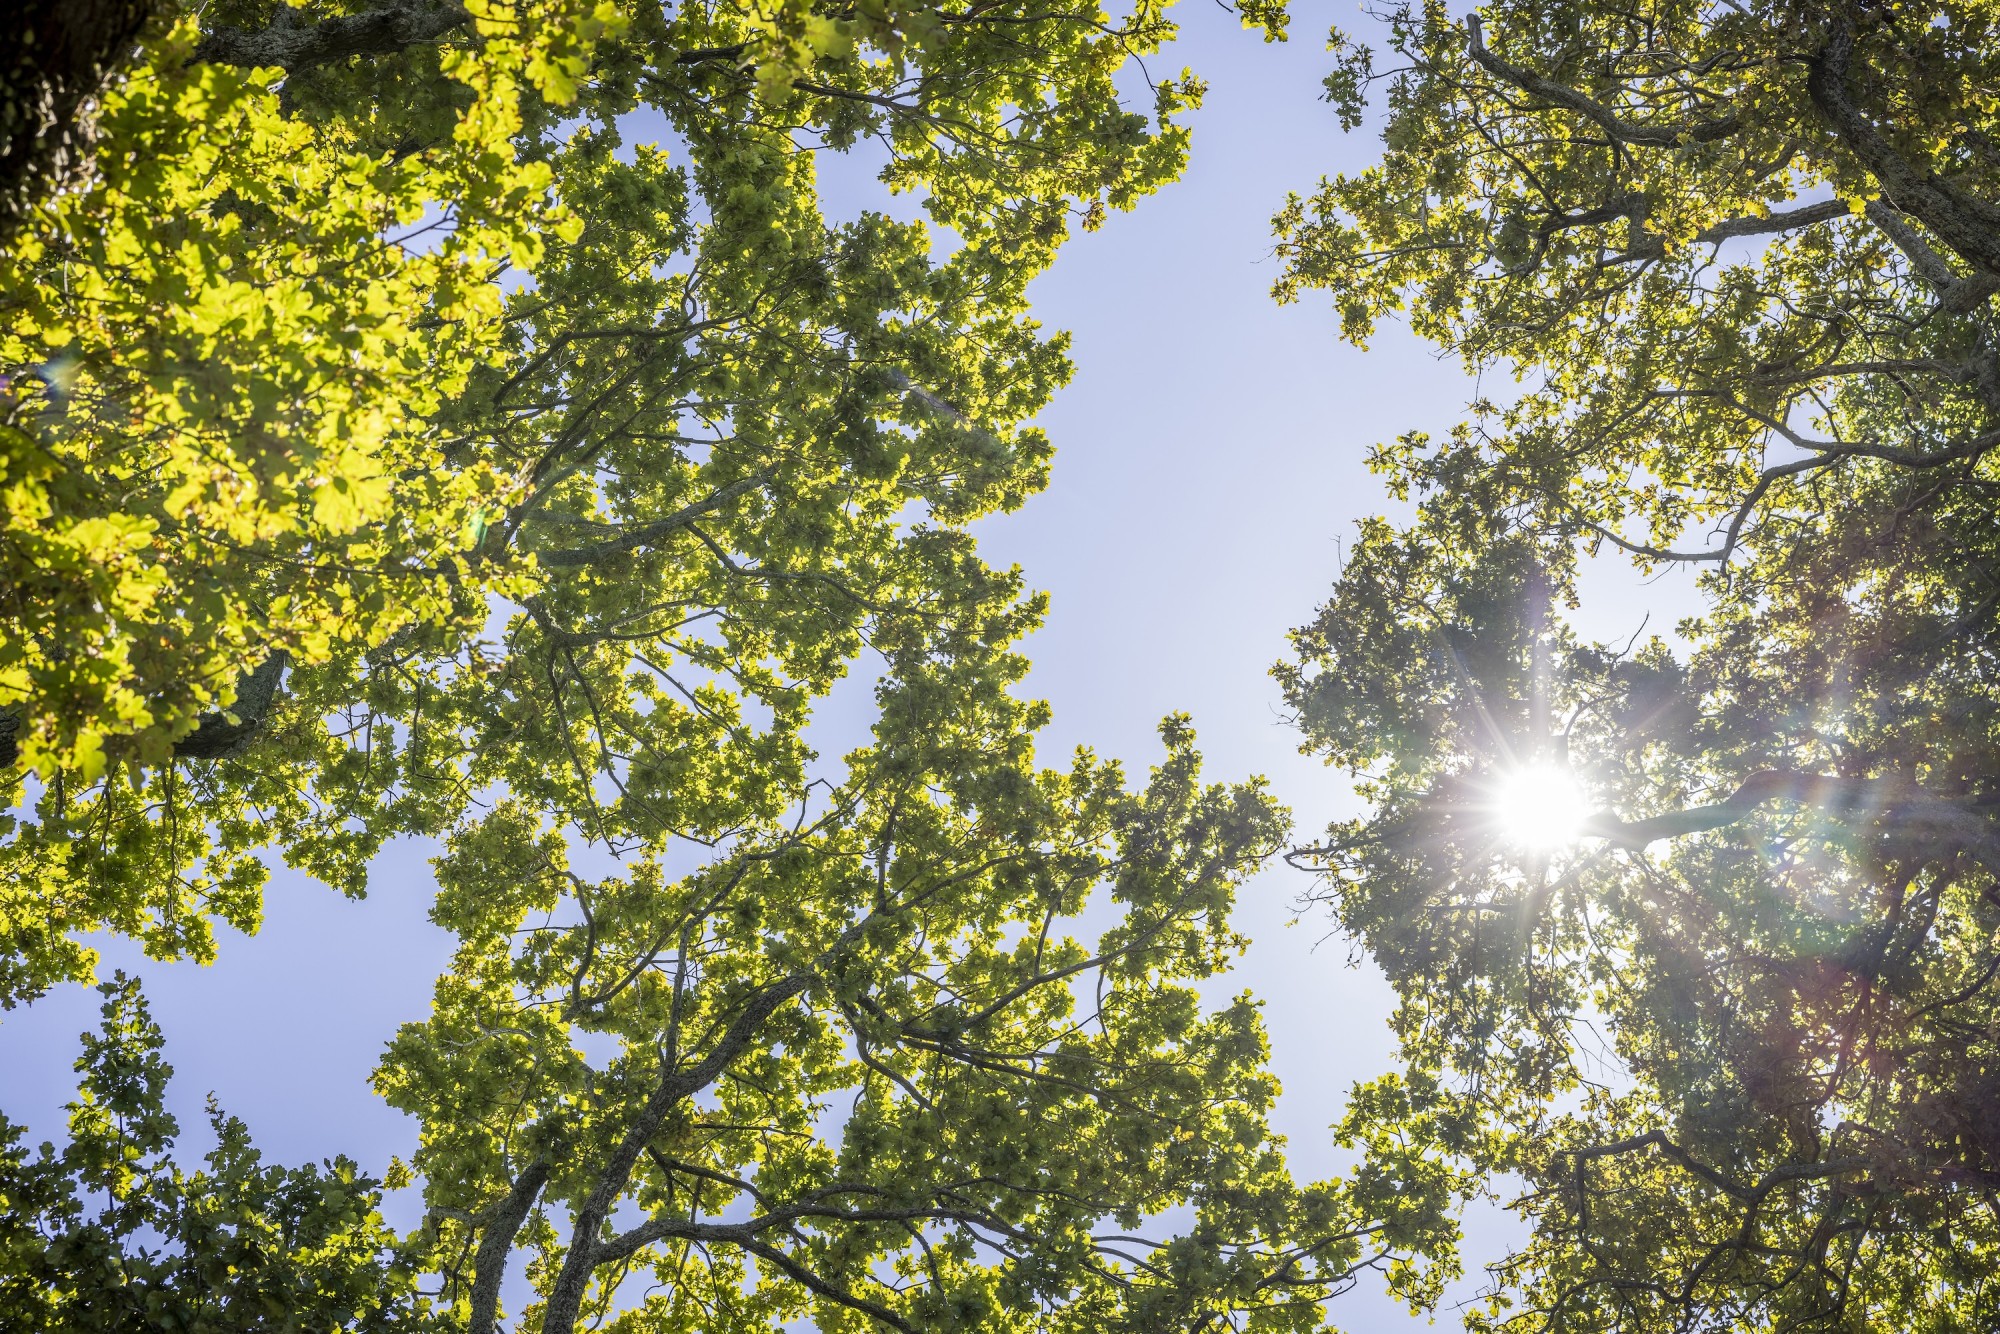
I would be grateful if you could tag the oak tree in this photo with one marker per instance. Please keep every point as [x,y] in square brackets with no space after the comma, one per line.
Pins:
[467,422]
[1736,1030]
[339,350]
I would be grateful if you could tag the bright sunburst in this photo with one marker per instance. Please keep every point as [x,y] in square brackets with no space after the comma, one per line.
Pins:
[1539,807]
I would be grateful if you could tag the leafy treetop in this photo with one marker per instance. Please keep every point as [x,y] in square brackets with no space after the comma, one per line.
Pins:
[1740,259]
[277,406]
[494,479]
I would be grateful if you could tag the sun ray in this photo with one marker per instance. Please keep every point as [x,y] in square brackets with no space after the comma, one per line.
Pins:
[1539,807]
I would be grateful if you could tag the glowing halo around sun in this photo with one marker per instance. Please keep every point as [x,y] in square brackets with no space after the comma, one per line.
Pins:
[1539,807]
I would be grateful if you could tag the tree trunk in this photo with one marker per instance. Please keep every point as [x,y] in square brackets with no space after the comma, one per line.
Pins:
[56,57]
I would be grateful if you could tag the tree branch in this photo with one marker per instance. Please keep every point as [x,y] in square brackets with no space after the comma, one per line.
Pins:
[496,1242]
[646,534]
[1791,219]
[1971,227]
[1653,246]
[806,1278]
[1956,295]
[1736,1190]
[1827,454]
[56,58]
[216,736]
[1624,131]
[565,1299]
[1912,811]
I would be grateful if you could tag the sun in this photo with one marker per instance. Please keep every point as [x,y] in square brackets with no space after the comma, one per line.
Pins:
[1539,807]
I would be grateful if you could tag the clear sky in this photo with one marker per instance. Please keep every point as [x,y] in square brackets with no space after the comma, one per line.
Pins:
[1210,461]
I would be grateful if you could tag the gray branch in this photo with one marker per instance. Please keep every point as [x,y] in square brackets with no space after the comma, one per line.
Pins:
[1956,295]
[1907,809]
[217,736]
[222,734]
[586,1252]
[294,45]
[502,1223]
[800,1274]
[56,59]
[648,534]
[1652,246]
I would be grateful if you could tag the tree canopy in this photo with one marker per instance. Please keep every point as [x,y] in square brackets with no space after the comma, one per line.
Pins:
[1736,1033]
[337,351]
[467,422]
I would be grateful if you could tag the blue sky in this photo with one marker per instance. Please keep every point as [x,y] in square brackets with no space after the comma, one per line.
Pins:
[1210,462]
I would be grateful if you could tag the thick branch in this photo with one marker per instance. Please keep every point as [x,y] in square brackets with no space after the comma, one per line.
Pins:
[1765,1184]
[216,736]
[1828,453]
[56,58]
[806,1278]
[496,1242]
[1956,295]
[1971,227]
[585,1251]
[293,46]
[1791,219]
[647,534]
[1624,131]
[1906,807]
[1652,246]
[1754,792]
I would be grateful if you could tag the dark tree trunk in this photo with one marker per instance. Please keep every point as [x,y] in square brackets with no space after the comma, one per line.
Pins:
[56,56]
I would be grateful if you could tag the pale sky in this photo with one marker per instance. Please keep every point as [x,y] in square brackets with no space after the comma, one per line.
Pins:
[1210,461]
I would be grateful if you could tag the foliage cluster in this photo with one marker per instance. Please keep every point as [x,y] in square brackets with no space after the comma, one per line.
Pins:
[112,1235]
[468,421]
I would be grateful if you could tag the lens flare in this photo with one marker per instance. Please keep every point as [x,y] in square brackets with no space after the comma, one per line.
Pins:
[1539,807]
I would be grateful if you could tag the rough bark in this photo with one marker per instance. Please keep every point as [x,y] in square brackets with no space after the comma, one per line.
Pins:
[216,737]
[496,1243]
[1624,131]
[1967,224]
[565,1300]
